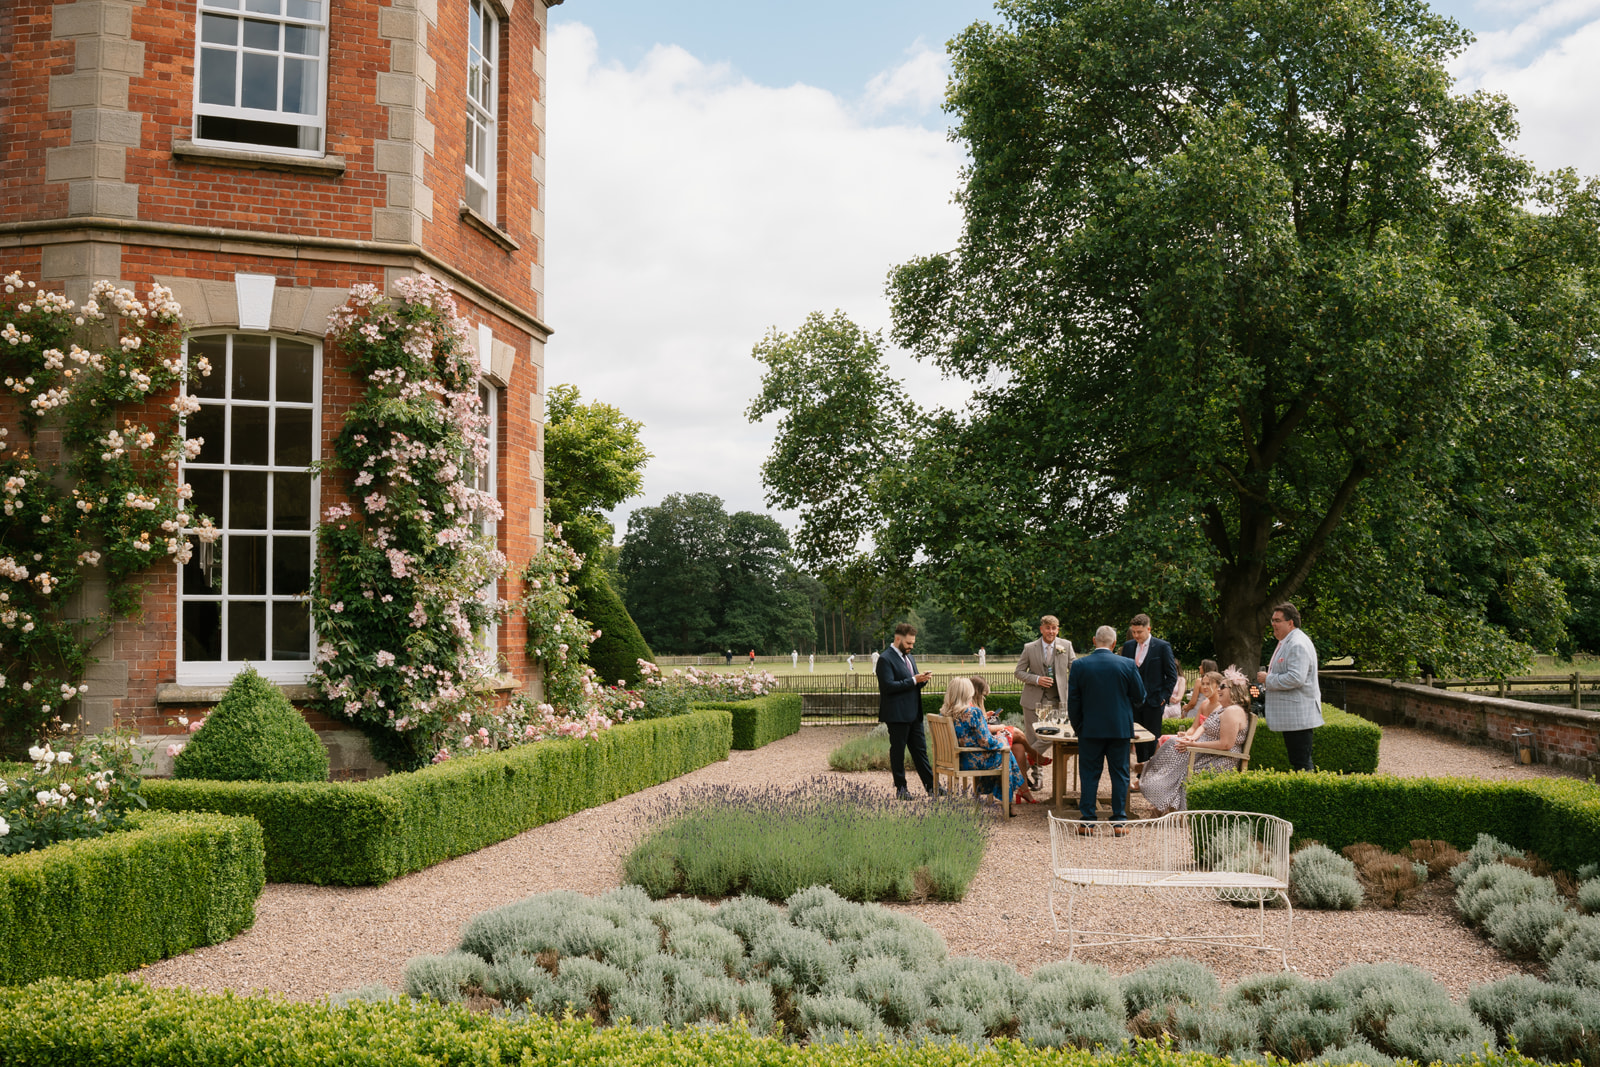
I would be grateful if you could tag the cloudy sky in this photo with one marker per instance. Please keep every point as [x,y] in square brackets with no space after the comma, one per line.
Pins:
[719,168]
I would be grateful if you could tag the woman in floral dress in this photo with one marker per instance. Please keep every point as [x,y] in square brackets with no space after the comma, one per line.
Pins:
[1165,779]
[972,731]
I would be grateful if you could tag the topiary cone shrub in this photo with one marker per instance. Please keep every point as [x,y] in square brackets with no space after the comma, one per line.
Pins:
[253,735]
[615,655]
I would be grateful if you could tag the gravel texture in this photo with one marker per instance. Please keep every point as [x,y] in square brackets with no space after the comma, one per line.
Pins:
[309,942]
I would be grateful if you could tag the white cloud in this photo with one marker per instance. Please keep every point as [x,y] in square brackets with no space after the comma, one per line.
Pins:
[690,210]
[918,83]
[1545,65]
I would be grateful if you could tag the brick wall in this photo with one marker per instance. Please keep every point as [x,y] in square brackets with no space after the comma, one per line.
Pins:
[99,178]
[1564,737]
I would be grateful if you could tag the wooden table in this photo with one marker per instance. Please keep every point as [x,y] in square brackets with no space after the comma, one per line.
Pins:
[1065,745]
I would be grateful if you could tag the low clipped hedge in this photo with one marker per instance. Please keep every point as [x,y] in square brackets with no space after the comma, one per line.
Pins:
[368,833]
[167,884]
[761,721]
[126,1023]
[1559,818]
[1344,743]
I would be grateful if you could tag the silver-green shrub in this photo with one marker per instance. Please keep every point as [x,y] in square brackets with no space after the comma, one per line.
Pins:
[1156,987]
[989,991]
[449,978]
[1321,878]
[1497,883]
[1578,962]
[1486,850]
[1589,895]
[1520,927]
[1354,1053]
[1217,1029]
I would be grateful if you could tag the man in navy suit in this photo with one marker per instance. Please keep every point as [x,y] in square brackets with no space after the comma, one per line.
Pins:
[900,708]
[1102,691]
[1158,668]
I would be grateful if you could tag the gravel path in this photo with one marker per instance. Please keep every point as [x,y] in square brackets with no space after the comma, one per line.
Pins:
[308,942]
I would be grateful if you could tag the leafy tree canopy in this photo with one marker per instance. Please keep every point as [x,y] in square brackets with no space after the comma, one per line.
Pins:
[594,460]
[1255,307]
[699,579]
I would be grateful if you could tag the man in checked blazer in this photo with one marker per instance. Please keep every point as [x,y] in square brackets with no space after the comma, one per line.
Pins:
[1042,670]
[1293,696]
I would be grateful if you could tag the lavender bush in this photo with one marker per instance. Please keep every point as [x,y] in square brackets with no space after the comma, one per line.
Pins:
[719,841]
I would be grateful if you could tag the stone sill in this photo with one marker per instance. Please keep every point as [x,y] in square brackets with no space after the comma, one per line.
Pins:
[174,693]
[189,152]
[483,225]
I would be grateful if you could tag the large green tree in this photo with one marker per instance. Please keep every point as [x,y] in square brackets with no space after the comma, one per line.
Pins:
[1255,307]
[699,579]
[594,460]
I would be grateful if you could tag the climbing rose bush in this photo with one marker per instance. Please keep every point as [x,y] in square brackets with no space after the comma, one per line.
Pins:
[90,441]
[403,562]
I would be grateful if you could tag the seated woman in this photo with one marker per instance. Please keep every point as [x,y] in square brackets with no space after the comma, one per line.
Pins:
[1199,706]
[1014,736]
[1165,780]
[972,731]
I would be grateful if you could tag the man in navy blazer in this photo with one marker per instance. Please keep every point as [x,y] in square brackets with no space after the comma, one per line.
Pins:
[1158,667]
[1102,691]
[900,708]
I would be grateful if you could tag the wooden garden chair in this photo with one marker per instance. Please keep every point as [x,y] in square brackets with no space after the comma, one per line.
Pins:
[1243,756]
[947,762]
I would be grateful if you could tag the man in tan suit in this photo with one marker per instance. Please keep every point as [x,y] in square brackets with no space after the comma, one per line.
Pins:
[1042,670]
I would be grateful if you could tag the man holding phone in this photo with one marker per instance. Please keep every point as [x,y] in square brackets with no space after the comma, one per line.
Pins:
[900,709]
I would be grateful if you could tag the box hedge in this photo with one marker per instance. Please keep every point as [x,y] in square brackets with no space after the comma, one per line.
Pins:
[760,721]
[169,883]
[118,1021]
[368,833]
[1558,818]
[1344,743]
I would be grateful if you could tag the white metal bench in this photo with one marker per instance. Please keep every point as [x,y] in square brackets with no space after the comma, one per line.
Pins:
[1235,856]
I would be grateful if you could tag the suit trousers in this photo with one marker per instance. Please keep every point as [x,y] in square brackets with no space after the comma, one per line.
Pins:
[1149,716]
[1092,752]
[903,735]
[1298,744]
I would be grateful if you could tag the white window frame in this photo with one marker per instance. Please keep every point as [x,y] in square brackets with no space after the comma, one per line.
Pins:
[482,178]
[249,10]
[489,640]
[218,672]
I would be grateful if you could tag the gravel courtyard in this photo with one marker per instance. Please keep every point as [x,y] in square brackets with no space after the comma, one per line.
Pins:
[310,941]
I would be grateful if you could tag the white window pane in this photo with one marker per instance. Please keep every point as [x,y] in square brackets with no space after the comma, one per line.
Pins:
[217,76]
[304,9]
[202,630]
[263,7]
[291,631]
[301,40]
[300,86]
[219,29]
[247,631]
[260,82]
[263,35]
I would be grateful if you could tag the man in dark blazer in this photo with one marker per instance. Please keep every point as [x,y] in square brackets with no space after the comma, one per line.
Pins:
[900,708]
[1102,691]
[1158,668]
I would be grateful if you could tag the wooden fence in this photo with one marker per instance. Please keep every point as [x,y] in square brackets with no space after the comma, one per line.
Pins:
[1570,689]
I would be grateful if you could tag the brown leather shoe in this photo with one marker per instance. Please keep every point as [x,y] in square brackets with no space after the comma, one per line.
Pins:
[1085,831]
[1119,830]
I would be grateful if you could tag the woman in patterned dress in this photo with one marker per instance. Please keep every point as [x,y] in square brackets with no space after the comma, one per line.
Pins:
[972,731]
[1165,779]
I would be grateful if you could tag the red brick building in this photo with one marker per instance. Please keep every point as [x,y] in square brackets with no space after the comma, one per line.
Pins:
[260,157]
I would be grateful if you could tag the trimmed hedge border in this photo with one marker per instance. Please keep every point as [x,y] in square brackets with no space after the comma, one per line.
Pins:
[123,1022]
[760,721]
[1344,743]
[1559,818]
[369,833]
[169,883]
